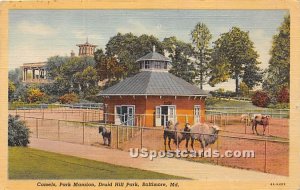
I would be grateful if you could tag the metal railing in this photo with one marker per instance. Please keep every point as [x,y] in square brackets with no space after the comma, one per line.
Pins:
[268,150]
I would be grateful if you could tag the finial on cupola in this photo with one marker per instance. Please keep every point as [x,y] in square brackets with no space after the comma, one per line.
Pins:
[154,48]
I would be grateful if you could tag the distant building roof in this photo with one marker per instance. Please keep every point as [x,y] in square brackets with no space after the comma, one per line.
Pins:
[153,56]
[153,83]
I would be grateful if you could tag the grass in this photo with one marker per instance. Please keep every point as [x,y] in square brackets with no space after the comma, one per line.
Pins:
[28,163]
[216,102]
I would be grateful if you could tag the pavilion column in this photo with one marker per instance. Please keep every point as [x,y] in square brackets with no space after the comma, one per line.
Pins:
[45,74]
[23,74]
[40,73]
[33,73]
[26,72]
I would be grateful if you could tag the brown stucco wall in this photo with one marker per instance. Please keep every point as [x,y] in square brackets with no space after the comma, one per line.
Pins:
[184,107]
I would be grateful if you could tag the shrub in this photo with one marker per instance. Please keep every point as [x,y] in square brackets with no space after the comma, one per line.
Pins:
[35,95]
[69,98]
[18,133]
[283,96]
[260,99]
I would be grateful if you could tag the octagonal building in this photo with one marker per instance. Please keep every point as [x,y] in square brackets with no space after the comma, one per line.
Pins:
[154,96]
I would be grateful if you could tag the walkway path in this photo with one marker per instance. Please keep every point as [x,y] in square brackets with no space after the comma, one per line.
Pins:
[169,166]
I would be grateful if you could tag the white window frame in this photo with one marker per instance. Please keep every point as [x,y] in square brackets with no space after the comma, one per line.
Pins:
[118,117]
[197,117]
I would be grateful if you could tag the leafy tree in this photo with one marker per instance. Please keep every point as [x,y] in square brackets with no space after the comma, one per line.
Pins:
[88,80]
[67,73]
[278,71]
[180,53]
[108,67]
[283,96]
[201,37]
[20,93]
[234,57]
[127,48]
[11,90]
[15,76]
[18,133]
[244,89]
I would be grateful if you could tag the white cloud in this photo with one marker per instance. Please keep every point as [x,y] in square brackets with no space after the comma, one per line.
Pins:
[138,28]
[79,34]
[29,53]
[27,27]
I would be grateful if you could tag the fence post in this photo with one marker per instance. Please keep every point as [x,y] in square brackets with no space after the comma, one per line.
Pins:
[83,126]
[58,130]
[111,137]
[265,169]
[37,128]
[118,136]
[218,150]
[141,128]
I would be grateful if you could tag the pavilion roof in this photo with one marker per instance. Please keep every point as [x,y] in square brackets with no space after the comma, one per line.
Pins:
[153,83]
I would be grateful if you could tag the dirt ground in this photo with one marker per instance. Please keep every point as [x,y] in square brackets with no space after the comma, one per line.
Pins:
[270,157]
[278,127]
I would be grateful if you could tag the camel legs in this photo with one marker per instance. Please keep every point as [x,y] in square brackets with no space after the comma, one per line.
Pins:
[165,139]
[187,144]
[169,142]
[253,125]
[192,144]
[264,126]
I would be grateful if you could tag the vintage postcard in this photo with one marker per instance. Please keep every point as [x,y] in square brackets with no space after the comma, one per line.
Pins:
[150,95]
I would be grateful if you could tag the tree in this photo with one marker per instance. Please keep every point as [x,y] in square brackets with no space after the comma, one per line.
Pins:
[88,81]
[127,48]
[18,133]
[283,96]
[244,89]
[278,71]
[180,53]
[201,37]
[107,67]
[67,73]
[15,76]
[234,57]
[11,90]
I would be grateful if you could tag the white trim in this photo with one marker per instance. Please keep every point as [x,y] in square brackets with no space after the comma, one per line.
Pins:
[196,120]
[116,114]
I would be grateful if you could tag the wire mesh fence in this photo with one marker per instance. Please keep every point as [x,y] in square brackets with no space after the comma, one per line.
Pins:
[271,155]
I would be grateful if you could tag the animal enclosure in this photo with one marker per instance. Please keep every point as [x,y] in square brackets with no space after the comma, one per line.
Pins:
[81,126]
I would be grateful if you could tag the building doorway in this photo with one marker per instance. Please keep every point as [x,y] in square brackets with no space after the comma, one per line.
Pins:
[165,113]
[124,114]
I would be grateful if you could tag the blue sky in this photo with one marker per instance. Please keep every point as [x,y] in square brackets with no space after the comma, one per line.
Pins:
[35,35]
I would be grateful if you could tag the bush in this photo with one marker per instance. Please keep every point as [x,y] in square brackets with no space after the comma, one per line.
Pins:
[18,133]
[260,99]
[283,96]
[69,98]
[35,95]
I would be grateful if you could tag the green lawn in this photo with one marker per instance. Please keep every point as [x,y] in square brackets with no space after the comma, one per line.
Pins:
[28,163]
[216,102]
